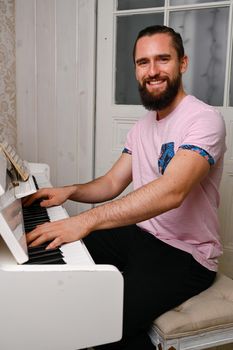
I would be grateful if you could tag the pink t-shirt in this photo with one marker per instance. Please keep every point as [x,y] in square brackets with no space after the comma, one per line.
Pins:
[196,126]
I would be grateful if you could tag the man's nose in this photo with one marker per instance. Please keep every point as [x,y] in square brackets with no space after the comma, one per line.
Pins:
[153,69]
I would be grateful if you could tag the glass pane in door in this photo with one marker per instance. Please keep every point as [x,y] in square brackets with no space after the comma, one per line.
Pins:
[191,2]
[137,4]
[205,35]
[126,91]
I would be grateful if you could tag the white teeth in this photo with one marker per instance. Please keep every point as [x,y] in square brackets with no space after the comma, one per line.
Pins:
[157,82]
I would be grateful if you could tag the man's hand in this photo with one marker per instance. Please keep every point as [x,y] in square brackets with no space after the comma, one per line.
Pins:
[50,196]
[59,232]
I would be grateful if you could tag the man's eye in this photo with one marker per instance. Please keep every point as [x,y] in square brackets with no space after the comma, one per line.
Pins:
[164,59]
[142,63]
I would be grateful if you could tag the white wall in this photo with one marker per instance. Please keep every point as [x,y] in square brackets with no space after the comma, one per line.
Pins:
[55,76]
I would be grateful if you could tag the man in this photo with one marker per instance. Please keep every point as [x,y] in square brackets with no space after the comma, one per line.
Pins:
[174,156]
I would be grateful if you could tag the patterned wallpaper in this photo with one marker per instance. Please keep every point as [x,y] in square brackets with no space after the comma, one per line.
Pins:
[7,71]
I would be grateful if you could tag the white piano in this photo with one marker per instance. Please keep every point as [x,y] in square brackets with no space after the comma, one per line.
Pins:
[67,306]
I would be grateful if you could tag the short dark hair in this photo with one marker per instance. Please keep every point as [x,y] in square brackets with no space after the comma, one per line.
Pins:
[158,29]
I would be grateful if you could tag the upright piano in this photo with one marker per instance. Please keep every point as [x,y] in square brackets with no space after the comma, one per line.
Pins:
[56,304]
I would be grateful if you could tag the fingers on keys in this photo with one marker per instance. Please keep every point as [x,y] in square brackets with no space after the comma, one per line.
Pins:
[42,234]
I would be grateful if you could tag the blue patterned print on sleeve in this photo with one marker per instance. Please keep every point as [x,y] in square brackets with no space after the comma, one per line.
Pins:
[201,151]
[126,150]
[166,154]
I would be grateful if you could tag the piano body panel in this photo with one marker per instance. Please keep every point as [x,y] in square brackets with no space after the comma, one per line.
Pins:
[39,168]
[60,307]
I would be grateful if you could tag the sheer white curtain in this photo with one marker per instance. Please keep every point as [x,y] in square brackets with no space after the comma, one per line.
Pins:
[205,35]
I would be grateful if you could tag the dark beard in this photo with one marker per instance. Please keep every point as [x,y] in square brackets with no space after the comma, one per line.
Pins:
[163,100]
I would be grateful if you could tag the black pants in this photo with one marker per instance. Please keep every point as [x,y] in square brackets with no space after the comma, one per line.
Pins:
[157,277]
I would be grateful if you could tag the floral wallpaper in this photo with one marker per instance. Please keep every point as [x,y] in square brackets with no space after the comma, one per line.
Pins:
[7,71]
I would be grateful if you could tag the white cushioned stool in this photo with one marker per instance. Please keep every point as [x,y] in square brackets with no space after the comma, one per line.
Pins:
[204,321]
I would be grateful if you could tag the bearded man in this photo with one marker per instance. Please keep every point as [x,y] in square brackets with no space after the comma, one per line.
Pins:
[164,235]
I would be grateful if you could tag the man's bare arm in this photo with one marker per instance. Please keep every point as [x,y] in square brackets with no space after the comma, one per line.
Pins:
[102,189]
[168,192]
[185,171]
[108,186]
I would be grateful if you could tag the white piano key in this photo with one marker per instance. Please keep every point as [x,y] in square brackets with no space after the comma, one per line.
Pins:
[57,213]
[75,253]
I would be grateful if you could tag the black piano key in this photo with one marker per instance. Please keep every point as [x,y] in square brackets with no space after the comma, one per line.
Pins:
[29,228]
[37,213]
[37,221]
[40,255]
[48,261]
[39,247]
[54,262]
[34,223]
[35,182]
[35,204]
[28,219]
[34,220]
[34,215]
[44,253]
[36,209]
[43,259]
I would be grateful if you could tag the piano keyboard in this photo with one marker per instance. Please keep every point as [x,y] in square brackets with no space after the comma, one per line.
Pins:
[33,216]
[74,253]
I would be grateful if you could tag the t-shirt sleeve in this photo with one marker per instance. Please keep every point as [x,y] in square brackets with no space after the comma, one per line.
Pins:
[128,147]
[206,135]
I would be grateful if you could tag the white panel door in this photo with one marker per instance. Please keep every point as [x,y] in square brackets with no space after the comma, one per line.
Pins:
[113,120]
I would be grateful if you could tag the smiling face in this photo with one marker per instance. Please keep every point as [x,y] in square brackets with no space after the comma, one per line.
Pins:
[159,71]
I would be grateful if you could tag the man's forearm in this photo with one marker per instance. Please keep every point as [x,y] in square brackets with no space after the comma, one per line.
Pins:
[99,190]
[183,173]
[105,187]
[142,204]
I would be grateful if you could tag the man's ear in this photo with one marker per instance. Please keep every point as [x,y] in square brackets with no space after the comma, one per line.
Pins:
[184,64]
